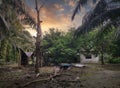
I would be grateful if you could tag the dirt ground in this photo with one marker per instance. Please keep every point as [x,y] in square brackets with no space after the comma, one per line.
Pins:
[92,76]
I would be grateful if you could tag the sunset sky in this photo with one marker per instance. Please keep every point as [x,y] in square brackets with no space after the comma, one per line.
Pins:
[57,14]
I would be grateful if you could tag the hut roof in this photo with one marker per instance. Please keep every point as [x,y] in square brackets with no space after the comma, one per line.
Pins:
[29,54]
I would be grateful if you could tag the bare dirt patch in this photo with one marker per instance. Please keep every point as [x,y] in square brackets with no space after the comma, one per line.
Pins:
[92,76]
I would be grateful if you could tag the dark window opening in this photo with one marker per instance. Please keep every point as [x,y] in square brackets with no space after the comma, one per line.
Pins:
[88,57]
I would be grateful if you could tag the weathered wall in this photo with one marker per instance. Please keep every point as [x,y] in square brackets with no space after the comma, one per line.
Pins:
[93,59]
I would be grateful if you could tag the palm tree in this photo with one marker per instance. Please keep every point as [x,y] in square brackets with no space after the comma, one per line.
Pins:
[104,13]
[11,27]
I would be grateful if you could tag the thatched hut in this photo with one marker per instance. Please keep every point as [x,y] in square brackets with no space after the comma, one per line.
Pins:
[24,57]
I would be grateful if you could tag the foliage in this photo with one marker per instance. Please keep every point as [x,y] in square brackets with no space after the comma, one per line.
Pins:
[6,52]
[114,60]
[12,33]
[105,13]
[86,41]
[61,47]
[116,48]
[58,46]
[79,5]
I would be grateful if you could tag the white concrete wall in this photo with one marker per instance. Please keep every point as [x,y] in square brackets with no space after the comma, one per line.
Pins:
[92,60]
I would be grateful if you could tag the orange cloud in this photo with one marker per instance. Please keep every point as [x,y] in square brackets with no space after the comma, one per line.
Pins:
[53,20]
[59,7]
[71,3]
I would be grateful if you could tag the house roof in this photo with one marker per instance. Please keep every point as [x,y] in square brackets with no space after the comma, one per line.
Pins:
[29,54]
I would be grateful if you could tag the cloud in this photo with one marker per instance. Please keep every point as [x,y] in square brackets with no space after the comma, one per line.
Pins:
[58,15]
[53,20]
[72,3]
[59,7]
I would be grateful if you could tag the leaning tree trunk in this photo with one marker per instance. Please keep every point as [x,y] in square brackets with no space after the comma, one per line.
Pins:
[18,54]
[102,56]
[102,59]
[38,39]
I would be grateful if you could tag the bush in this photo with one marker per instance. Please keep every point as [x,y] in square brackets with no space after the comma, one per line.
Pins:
[114,60]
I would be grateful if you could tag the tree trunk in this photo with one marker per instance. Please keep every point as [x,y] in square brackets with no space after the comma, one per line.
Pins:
[19,57]
[102,56]
[38,53]
[38,39]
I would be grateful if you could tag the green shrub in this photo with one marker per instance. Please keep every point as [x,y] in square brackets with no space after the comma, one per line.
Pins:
[114,60]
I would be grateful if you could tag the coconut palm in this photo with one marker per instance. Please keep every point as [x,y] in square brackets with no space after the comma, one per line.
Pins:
[105,13]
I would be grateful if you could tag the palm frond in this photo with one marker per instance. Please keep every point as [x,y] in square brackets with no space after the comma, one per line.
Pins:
[22,9]
[115,1]
[117,34]
[76,11]
[78,7]
[111,28]
[100,7]
[104,30]
[80,4]
[4,28]
[4,22]
[94,21]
